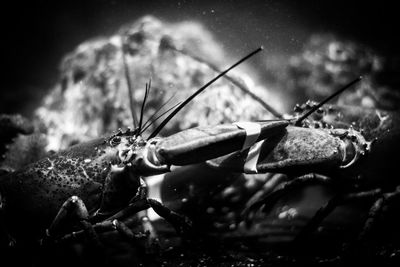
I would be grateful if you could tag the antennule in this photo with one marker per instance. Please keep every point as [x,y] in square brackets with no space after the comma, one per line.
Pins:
[149,120]
[159,116]
[173,113]
[146,93]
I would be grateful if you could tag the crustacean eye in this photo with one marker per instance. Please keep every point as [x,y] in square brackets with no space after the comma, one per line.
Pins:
[116,140]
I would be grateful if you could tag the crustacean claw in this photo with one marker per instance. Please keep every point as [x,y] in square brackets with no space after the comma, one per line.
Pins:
[203,143]
[200,144]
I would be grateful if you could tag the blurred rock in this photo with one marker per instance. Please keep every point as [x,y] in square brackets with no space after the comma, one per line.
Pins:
[24,150]
[328,62]
[92,96]
[11,125]
[20,144]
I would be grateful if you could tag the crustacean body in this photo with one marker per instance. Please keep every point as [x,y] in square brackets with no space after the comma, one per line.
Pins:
[93,186]
[105,173]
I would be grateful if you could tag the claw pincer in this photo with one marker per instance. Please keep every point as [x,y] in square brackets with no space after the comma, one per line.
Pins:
[203,143]
[297,149]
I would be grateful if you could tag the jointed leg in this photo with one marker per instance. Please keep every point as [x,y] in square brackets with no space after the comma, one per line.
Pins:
[126,232]
[138,204]
[74,207]
[376,211]
[181,223]
[268,202]
[323,212]
[267,188]
[142,191]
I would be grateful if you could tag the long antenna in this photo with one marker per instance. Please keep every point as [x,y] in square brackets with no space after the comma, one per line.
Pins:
[299,120]
[146,93]
[129,84]
[173,113]
[240,85]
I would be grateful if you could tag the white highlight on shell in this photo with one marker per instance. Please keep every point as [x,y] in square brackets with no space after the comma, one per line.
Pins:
[154,191]
[253,131]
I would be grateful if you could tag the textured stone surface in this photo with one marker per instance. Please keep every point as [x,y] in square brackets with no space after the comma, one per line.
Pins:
[328,62]
[92,97]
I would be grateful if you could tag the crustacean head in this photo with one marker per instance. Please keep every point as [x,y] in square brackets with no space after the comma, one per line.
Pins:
[136,152]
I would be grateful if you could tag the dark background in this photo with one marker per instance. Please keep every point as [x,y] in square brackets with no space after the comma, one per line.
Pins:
[36,34]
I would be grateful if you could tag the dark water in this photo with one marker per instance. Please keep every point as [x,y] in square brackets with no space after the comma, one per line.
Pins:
[36,35]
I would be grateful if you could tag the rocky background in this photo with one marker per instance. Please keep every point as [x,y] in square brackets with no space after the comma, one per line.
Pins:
[66,74]
[42,32]
[92,96]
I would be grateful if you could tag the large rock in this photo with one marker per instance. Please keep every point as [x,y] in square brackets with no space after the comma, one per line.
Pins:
[92,96]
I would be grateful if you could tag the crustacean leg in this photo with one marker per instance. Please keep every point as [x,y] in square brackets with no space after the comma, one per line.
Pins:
[336,201]
[272,182]
[111,223]
[179,222]
[356,250]
[131,236]
[125,216]
[117,192]
[74,207]
[382,200]
[140,202]
[268,202]
[385,200]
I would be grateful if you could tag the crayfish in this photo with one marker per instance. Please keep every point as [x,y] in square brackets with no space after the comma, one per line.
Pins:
[95,186]
[98,185]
